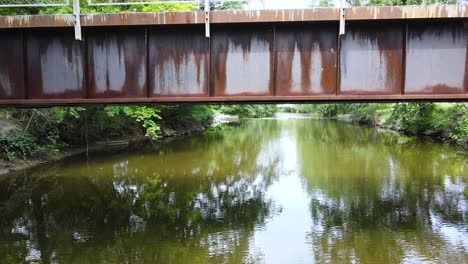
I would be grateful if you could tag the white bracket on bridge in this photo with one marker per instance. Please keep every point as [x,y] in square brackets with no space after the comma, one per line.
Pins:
[76,19]
[207,18]
[342,18]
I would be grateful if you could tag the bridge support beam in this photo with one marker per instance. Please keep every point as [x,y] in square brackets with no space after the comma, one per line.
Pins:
[387,54]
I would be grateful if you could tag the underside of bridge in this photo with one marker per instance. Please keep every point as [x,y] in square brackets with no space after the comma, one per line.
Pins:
[386,54]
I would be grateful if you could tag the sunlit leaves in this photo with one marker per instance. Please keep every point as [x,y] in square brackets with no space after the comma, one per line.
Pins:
[144,115]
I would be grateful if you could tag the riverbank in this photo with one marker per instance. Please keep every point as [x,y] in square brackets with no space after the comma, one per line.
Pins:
[428,135]
[381,125]
[17,164]
[441,122]
[175,130]
[167,130]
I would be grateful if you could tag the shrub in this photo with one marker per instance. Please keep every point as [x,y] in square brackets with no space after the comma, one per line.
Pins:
[19,146]
[249,111]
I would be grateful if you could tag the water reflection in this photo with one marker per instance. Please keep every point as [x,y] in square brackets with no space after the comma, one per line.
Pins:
[382,198]
[270,191]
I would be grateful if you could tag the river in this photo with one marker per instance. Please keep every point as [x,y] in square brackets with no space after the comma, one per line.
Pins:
[262,191]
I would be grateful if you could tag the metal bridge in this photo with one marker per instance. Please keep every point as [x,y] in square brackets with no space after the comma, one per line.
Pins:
[400,53]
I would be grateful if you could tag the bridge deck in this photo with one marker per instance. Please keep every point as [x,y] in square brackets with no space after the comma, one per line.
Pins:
[387,54]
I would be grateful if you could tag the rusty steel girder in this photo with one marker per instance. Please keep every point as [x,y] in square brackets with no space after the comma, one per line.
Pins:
[387,54]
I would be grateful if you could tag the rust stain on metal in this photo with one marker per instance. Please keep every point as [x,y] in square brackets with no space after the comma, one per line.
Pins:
[11,66]
[244,99]
[306,59]
[406,12]
[31,21]
[55,65]
[242,60]
[244,16]
[178,62]
[437,55]
[117,63]
[283,15]
[371,59]
[161,18]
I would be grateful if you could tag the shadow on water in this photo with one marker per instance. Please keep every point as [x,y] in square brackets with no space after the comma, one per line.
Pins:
[194,200]
[363,195]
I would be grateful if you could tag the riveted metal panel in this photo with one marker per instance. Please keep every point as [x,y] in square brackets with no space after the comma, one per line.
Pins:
[55,64]
[306,59]
[117,62]
[371,59]
[178,62]
[11,65]
[437,58]
[242,62]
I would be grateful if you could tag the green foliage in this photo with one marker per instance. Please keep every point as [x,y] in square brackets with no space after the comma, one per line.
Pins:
[364,113]
[144,115]
[18,146]
[174,7]
[328,110]
[45,124]
[230,5]
[447,121]
[187,113]
[50,129]
[42,130]
[202,113]
[302,108]
[368,113]
[249,111]
[323,110]
[360,113]
[415,118]
[458,118]
[397,2]
[86,9]
[61,9]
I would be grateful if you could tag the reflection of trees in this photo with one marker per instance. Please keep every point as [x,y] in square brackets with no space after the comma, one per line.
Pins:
[193,201]
[199,200]
[375,196]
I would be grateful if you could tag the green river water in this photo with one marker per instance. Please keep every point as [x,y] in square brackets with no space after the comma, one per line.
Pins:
[263,191]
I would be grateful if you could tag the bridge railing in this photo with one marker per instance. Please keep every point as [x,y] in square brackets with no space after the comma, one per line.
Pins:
[33,3]
[143,2]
